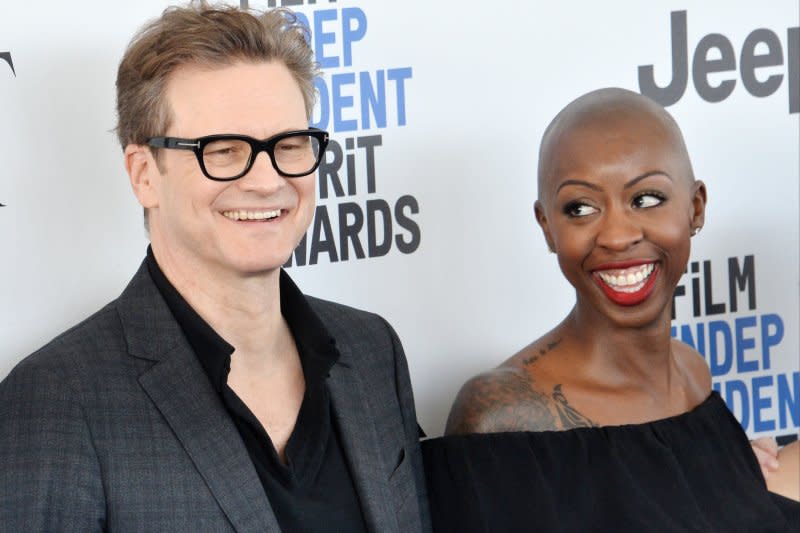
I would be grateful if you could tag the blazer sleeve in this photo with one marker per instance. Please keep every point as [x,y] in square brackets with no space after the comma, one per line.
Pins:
[405,398]
[49,472]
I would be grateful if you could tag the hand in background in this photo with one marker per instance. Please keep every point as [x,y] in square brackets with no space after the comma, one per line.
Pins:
[766,450]
[786,479]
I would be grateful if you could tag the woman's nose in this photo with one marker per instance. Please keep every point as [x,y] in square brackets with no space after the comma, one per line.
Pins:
[619,229]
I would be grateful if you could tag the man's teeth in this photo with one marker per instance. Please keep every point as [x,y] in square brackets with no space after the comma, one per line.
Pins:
[251,215]
[629,279]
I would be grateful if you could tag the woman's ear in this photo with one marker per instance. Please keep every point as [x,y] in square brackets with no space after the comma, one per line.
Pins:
[699,198]
[143,173]
[541,218]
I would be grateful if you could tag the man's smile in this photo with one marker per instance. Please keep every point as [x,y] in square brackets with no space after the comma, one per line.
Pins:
[241,214]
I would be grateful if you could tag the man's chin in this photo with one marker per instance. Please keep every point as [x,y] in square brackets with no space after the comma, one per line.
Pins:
[257,266]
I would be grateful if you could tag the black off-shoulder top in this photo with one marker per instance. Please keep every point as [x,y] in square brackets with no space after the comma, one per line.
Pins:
[695,472]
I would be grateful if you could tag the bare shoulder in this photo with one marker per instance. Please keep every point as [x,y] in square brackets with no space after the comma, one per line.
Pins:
[694,366]
[503,399]
[525,393]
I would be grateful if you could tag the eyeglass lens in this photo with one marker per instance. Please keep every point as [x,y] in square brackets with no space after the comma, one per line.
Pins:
[226,158]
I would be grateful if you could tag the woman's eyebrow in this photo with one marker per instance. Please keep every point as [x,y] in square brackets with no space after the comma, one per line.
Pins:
[579,182]
[637,179]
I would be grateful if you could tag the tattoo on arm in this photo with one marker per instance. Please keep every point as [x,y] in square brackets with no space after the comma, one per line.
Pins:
[507,399]
[568,415]
[502,400]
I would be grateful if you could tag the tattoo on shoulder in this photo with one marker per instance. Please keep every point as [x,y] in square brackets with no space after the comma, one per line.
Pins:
[505,400]
[568,415]
[540,352]
[508,400]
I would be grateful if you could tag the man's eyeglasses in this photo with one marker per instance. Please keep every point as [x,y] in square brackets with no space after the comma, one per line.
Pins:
[228,157]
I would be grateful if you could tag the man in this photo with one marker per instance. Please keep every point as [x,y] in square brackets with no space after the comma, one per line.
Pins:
[212,395]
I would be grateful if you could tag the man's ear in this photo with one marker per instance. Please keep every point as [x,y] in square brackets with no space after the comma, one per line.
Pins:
[541,218]
[699,199]
[143,173]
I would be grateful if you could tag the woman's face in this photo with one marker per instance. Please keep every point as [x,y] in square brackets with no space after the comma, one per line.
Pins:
[618,207]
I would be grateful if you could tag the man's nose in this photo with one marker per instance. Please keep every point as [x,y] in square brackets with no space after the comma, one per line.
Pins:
[262,176]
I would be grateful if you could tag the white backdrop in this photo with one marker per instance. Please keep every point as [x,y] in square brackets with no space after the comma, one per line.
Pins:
[461,93]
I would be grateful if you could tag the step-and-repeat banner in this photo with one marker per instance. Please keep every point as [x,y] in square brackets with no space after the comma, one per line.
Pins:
[425,201]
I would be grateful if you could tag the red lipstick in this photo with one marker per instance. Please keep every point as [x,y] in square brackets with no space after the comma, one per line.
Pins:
[628,298]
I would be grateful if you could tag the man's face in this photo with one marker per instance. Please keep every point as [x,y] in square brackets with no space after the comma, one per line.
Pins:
[214,225]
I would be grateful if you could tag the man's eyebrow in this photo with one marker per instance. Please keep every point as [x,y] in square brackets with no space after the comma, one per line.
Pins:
[637,179]
[579,182]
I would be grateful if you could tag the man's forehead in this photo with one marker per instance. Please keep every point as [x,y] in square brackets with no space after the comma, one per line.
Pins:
[195,73]
[260,95]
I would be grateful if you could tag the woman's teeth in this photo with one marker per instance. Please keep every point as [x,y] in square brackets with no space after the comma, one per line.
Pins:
[628,279]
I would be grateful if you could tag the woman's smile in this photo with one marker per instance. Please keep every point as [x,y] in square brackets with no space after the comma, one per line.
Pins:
[627,286]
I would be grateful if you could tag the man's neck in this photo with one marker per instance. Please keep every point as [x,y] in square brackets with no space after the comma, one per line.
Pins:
[243,310]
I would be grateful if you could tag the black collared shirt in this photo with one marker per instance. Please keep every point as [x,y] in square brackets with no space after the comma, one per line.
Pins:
[313,490]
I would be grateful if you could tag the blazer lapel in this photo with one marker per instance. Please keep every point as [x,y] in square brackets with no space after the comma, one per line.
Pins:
[359,438]
[182,393]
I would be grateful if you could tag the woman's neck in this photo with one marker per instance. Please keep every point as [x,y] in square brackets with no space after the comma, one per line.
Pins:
[640,355]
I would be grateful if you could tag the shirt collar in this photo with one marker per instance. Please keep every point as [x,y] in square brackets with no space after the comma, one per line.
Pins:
[315,345]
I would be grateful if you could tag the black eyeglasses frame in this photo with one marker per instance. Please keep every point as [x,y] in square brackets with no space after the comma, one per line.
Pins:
[267,145]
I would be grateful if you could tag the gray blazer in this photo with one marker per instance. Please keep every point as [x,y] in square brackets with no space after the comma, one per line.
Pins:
[114,425]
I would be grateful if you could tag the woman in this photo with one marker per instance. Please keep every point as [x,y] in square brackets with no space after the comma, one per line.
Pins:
[605,423]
